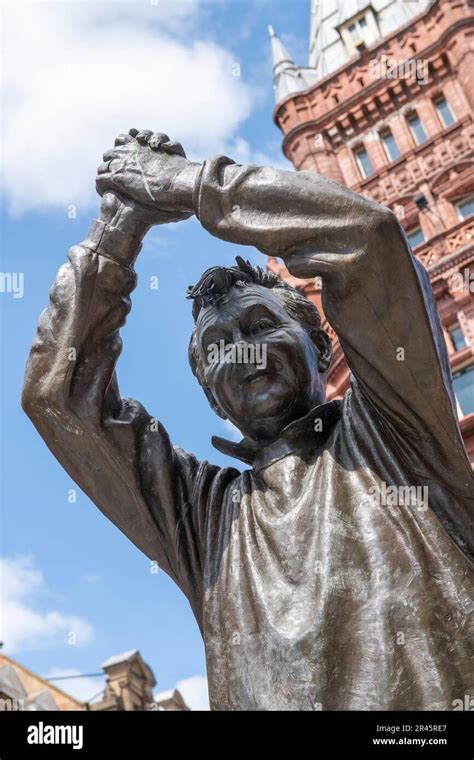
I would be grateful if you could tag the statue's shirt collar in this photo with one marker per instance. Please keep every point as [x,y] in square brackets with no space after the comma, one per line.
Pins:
[305,433]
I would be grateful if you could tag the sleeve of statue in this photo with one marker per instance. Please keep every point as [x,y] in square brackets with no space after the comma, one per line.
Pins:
[376,296]
[118,454]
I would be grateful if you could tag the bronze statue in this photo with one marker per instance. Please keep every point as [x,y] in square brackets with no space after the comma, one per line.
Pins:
[317,580]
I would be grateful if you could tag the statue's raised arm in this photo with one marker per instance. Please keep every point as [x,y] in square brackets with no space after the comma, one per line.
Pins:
[376,296]
[112,447]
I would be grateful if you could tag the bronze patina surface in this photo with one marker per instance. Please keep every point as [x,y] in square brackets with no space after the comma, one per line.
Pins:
[318,582]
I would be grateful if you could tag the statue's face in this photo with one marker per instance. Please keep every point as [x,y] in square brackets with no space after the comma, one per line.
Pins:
[261,365]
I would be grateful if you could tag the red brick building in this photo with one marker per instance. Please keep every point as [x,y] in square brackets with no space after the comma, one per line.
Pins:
[385,107]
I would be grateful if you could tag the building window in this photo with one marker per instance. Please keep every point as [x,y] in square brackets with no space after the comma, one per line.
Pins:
[463,383]
[416,237]
[444,112]
[458,339]
[391,148]
[360,32]
[465,207]
[364,162]
[417,129]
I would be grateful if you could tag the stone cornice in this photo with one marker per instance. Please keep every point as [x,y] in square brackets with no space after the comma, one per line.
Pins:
[353,62]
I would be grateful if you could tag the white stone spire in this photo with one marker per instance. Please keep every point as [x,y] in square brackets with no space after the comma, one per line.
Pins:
[287,77]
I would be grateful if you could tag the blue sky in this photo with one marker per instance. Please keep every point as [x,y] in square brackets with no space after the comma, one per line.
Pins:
[75,75]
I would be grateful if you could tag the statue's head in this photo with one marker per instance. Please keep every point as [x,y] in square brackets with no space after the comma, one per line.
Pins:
[257,349]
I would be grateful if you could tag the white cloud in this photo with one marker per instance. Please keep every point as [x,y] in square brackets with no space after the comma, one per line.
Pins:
[91,577]
[22,624]
[242,152]
[77,74]
[195,693]
[232,431]
[83,689]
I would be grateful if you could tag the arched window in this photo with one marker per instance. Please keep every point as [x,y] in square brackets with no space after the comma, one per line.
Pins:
[417,128]
[415,237]
[458,337]
[463,382]
[363,161]
[465,207]
[390,144]
[444,112]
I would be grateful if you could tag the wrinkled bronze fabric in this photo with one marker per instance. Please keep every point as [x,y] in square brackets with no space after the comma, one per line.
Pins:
[310,594]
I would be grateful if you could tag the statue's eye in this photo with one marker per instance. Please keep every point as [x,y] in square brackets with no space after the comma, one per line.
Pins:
[262,325]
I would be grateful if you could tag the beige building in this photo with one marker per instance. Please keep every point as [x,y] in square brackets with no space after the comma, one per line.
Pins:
[21,689]
[129,684]
[170,700]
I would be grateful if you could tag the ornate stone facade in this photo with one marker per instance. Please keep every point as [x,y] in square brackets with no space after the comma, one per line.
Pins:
[21,689]
[394,122]
[129,683]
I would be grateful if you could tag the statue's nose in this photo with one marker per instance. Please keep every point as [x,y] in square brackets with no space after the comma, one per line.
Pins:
[237,336]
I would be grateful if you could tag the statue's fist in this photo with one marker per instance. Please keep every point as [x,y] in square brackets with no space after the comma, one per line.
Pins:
[149,169]
[134,218]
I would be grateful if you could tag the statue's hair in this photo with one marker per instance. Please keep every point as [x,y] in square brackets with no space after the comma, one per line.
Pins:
[217,281]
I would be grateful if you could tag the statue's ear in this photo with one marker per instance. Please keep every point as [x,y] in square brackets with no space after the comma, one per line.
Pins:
[323,343]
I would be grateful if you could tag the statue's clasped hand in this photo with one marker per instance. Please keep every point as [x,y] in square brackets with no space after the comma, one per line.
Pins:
[152,171]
